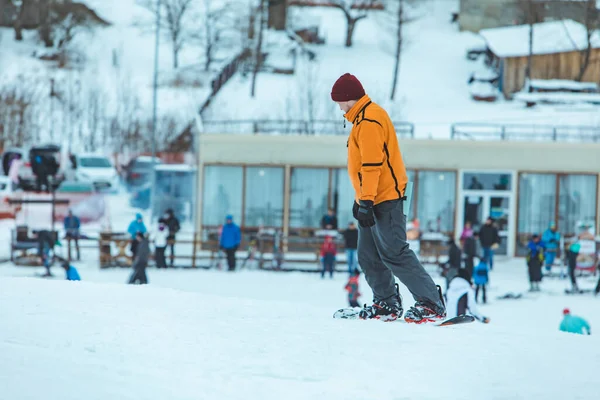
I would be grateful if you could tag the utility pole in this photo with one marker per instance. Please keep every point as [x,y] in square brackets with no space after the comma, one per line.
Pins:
[154,106]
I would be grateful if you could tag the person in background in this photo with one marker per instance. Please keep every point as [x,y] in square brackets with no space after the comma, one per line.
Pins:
[72,274]
[136,226]
[489,238]
[352,289]
[535,260]
[480,278]
[466,233]
[460,298]
[172,223]
[572,255]
[45,248]
[450,269]
[72,224]
[329,221]
[160,244]
[328,253]
[231,237]
[140,262]
[551,238]
[351,244]
[574,324]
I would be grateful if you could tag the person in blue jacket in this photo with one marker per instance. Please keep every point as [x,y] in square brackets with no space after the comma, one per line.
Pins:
[137,225]
[551,238]
[574,324]
[231,236]
[535,260]
[72,224]
[72,274]
[480,278]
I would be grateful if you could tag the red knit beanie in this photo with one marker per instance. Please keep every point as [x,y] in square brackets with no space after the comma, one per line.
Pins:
[347,88]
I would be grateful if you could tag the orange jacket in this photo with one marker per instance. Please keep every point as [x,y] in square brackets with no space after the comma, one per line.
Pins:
[375,164]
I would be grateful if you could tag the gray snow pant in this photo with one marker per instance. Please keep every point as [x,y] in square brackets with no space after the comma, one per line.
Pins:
[383,252]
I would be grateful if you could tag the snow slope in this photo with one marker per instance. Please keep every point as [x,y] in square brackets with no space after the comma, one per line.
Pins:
[258,335]
[432,92]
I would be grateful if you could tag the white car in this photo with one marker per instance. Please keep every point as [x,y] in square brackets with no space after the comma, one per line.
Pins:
[96,169]
[6,192]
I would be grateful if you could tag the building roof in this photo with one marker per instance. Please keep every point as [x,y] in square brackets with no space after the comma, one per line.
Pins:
[548,38]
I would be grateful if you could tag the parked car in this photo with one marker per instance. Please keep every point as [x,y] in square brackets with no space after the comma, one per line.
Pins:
[94,168]
[139,170]
[6,192]
[27,179]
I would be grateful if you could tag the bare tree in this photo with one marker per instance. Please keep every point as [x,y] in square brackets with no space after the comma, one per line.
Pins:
[19,115]
[219,28]
[354,11]
[399,22]
[174,15]
[258,49]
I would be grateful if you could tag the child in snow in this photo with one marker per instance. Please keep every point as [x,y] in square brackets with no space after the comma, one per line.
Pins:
[328,253]
[160,244]
[535,260]
[574,324]
[480,278]
[72,274]
[460,298]
[352,289]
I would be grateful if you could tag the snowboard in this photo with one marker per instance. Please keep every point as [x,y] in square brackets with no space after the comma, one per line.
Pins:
[580,291]
[352,313]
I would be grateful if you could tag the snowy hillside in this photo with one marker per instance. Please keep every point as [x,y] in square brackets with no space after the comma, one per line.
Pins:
[258,335]
[433,90]
[113,79]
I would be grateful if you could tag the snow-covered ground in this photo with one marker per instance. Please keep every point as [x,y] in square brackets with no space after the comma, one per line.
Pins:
[432,92]
[260,335]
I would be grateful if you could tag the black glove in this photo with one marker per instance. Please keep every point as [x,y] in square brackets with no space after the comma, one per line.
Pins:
[355,210]
[365,215]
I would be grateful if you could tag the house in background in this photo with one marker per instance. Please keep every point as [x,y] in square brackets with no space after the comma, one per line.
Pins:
[557,53]
[475,15]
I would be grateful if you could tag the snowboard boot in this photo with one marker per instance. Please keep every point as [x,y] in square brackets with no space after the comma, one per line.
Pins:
[426,311]
[389,309]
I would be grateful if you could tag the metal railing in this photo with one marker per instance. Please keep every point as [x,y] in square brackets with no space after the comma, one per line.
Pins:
[524,132]
[294,127]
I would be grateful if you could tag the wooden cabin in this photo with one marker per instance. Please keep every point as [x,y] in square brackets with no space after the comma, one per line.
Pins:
[557,53]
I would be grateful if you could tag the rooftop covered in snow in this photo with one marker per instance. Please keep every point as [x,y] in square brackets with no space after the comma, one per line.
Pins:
[548,38]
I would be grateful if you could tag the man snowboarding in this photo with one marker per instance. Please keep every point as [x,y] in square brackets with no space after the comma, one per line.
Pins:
[379,178]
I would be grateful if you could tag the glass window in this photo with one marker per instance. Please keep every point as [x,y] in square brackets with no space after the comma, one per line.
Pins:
[264,197]
[436,200]
[577,202]
[222,194]
[486,181]
[537,203]
[308,197]
[343,196]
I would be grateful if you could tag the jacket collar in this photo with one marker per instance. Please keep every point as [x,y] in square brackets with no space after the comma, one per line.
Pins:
[357,108]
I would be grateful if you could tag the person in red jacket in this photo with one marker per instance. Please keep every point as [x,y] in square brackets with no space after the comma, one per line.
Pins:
[352,289]
[328,253]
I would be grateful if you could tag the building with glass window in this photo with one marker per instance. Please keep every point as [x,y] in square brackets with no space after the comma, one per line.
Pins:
[289,182]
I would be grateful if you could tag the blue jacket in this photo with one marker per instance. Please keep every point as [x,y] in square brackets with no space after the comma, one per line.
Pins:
[574,324]
[72,223]
[480,274]
[231,236]
[72,274]
[135,226]
[536,250]
[551,239]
